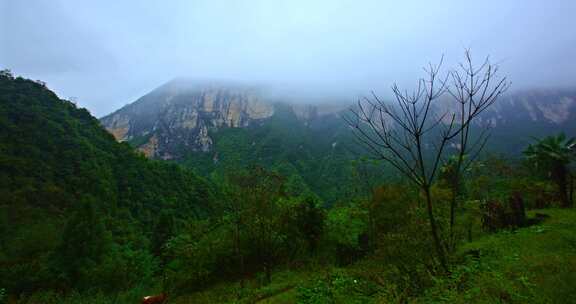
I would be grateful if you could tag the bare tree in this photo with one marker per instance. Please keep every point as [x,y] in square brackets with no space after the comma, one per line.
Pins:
[474,89]
[414,133]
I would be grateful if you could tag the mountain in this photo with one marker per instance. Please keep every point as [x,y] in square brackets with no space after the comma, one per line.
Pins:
[65,180]
[519,117]
[177,117]
[213,127]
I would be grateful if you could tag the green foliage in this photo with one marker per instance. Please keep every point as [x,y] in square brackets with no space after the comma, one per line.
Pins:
[553,155]
[552,149]
[85,219]
[85,244]
[346,225]
[347,232]
[401,242]
[314,158]
[199,255]
[533,265]
[58,163]
[309,219]
[336,287]
[54,297]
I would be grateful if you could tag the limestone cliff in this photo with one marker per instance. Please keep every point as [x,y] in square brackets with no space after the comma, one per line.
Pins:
[183,116]
[179,116]
[542,107]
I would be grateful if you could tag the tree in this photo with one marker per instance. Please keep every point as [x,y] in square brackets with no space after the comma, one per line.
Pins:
[414,134]
[85,243]
[258,193]
[473,89]
[310,222]
[162,232]
[235,208]
[554,155]
[7,74]
[346,227]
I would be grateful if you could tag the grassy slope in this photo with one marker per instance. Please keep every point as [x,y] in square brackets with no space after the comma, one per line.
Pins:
[536,264]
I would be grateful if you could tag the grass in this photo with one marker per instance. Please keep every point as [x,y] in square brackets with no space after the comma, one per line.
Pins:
[281,290]
[535,264]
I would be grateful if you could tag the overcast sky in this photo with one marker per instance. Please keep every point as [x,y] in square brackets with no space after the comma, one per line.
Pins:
[107,53]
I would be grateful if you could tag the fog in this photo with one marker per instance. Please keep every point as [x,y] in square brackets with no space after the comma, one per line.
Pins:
[108,53]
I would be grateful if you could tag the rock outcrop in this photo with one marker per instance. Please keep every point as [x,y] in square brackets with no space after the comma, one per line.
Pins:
[183,116]
[179,116]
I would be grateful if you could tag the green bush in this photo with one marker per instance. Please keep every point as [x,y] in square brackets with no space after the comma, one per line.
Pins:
[336,287]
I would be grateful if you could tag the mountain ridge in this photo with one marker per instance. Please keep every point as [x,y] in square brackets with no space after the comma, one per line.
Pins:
[182,115]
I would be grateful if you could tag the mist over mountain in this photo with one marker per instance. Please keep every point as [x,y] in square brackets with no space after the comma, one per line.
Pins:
[214,127]
[116,52]
[184,115]
[326,151]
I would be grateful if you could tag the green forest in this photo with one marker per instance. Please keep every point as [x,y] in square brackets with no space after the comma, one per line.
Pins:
[86,219]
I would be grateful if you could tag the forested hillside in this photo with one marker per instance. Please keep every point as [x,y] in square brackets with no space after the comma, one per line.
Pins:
[287,152]
[86,219]
[217,127]
[78,209]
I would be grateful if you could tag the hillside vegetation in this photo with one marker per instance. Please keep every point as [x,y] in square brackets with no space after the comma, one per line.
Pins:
[86,219]
[78,209]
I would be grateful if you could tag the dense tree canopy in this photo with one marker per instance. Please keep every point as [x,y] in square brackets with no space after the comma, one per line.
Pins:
[60,168]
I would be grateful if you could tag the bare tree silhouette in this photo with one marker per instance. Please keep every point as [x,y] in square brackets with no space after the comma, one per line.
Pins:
[414,133]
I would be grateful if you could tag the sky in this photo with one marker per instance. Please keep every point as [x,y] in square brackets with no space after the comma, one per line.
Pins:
[107,53]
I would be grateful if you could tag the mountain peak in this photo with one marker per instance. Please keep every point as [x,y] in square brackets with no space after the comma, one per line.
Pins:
[178,115]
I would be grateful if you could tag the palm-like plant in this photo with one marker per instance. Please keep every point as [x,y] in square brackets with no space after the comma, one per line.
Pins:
[554,155]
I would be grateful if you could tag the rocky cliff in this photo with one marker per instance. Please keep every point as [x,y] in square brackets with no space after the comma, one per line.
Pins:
[182,116]
[556,107]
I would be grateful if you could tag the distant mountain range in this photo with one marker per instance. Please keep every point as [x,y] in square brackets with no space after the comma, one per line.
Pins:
[517,118]
[184,116]
[214,127]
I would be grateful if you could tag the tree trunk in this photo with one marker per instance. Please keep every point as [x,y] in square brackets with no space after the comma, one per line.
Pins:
[268,270]
[451,242]
[239,254]
[434,231]
[571,191]
[561,173]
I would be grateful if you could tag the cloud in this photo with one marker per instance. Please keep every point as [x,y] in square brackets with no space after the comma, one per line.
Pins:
[108,53]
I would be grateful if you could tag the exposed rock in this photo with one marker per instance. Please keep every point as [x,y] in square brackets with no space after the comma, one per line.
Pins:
[559,112]
[181,115]
[118,125]
[544,106]
[149,149]
[307,112]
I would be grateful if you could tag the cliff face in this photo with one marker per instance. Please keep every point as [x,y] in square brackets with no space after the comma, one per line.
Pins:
[182,117]
[555,107]
[516,118]
[179,117]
